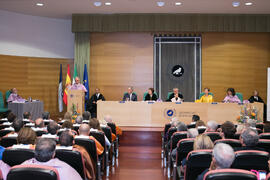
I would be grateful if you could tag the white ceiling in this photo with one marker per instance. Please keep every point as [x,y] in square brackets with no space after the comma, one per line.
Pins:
[65,8]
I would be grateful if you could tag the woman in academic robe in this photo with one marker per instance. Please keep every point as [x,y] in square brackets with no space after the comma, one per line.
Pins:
[151,96]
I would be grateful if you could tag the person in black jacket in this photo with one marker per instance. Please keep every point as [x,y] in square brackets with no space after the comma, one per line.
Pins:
[255,97]
[92,107]
[175,96]
[150,95]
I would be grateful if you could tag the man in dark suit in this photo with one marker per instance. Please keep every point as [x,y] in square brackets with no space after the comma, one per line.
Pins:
[93,102]
[130,95]
[176,96]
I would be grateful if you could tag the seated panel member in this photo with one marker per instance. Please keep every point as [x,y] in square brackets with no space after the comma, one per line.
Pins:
[150,95]
[77,85]
[255,97]
[206,98]
[130,95]
[93,102]
[176,96]
[14,96]
[231,97]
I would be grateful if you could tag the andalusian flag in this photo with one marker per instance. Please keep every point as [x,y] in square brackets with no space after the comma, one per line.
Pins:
[68,82]
[60,91]
[75,74]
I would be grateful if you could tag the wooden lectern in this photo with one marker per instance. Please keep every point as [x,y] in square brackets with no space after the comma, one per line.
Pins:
[75,100]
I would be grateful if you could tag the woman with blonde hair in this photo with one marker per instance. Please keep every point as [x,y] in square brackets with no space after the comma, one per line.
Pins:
[202,141]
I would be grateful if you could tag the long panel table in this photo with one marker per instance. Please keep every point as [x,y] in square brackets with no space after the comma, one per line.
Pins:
[157,114]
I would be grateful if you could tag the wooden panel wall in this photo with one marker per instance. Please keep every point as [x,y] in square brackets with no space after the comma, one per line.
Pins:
[119,60]
[35,77]
[238,60]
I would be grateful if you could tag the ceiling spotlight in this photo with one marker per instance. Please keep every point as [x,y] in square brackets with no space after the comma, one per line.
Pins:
[178,3]
[160,3]
[108,3]
[97,4]
[40,4]
[236,4]
[248,3]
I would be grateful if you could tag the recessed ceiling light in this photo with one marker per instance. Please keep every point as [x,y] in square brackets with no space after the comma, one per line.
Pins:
[160,3]
[97,3]
[178,3]
[40,4]
[108,3]
[248,3]
[235,4]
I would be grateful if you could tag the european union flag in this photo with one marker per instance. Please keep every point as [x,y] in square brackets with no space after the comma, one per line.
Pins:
[85,82]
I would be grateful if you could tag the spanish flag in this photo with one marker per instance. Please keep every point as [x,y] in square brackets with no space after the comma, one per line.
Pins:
[68,82]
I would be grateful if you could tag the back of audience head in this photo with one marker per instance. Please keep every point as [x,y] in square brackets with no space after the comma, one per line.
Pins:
[251,123]
[212,126]
[181,126]
[52,128]
[39,123]
[17,125]
[240,128]
[79,120]
[249,137]
[67,124]
[86,115]
[108,119]
[26,136]
[45,115]
[11,117]
[223,156]
[266,127]
[68,116]
[192,133]
[45,150]
[84,130]
[195,118]
[200,123]
[66,139]
[174,121]
[26,115]
[228,129]
[94,123]
[203,141]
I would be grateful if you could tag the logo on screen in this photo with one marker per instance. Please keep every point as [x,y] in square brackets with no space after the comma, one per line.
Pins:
[177,71]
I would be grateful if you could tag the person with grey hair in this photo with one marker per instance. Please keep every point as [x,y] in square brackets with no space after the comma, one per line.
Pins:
[249,139]
[181,126]
[211,126]
[45,155]
[175,96]
[192,133]
[130,95]
[86,115]
[223,157]
[79,120]
[251,123]
[46,115]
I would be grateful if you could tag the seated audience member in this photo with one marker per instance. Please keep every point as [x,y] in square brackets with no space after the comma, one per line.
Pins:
[4,169]
[228,130]
[39,125]
[11,117]
[46,115]
[202,141]
[17,125]
[67,117]
[255,97]
[27,115]
[44,155]
[79,120]
[66,140]
[93,102]
[231,97]
[174,121]
[251,123]
[181,126]
[200,124]
[52,129]
[95,126]
[86,115]
[151,96]
[176,96]
[108,119]
[249,140]
[14,96]
[130,95]
[266,128]
[84,132]
[211,126]
[206,98]
[67,125]
[194,119]
[223,157]
[27,136]
[240,128]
